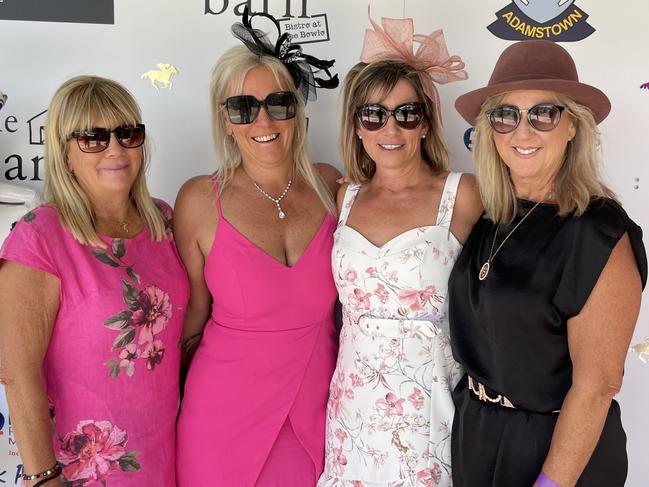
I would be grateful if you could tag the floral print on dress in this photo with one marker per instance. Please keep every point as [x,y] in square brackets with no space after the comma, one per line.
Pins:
[92,452]
[390,409]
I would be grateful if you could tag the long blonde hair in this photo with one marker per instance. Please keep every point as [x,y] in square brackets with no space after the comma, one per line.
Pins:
[227,80]
[365,80]
[576,183]
[75,105]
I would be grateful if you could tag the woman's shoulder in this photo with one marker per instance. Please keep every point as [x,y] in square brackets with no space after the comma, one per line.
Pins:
[605,215]
[44,217]
[329,174]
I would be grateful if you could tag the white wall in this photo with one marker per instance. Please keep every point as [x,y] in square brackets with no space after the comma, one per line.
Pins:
[39,56]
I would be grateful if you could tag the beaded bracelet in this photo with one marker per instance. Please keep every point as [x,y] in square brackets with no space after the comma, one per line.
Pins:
[47,475]
[544,481]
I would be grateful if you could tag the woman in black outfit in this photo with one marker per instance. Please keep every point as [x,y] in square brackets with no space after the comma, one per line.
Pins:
[546,293]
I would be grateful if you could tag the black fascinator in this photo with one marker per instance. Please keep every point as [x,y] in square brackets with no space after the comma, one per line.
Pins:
[302,67]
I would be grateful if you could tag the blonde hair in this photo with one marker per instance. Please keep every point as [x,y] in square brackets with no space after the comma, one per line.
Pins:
[78,103]
[576,183]
[227,80]
[379,78]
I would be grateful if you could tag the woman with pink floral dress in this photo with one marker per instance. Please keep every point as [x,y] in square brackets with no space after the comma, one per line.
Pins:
[93,295]
[401,227]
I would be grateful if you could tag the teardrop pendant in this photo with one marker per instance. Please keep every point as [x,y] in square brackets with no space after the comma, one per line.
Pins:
[281,215]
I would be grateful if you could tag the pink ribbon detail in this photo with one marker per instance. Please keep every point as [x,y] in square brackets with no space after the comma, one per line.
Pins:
[395,42]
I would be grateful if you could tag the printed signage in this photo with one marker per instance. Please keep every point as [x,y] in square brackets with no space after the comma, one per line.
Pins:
[550,20]
[78,11]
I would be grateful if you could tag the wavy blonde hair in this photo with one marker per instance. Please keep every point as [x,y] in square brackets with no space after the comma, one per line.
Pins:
[76,105]
[227,80]
[378,79]
[577,182]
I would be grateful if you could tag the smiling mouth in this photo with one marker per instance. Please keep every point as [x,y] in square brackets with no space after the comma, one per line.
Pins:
[115,168]
[390,147]
[526,151]
[262,139]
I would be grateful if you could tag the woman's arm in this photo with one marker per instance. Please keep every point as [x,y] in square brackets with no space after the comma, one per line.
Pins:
[598,339]
[194,225]
[468,207]
[29,302]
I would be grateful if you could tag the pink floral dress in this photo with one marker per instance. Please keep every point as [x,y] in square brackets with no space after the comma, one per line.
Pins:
[111,367]
[390,410]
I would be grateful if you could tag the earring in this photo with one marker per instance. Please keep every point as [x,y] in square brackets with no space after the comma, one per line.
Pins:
[360,137]
[423,136]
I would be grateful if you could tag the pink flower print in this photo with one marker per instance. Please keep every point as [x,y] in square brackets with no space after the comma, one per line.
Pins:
[153,353]
[351,275]
[127,358]
[93,451]
[341,435]
[153,313]
[334,402]
[416,398]
[359,299]
[356,380]
[371,271]
[340,460]
[381,293]
[417,299]
[391,405]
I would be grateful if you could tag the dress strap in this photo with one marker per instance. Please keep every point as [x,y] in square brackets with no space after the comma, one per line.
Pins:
[216,195]
[348,201]
[447,203]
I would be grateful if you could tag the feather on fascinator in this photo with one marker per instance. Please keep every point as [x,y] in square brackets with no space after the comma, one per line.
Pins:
[395,42]
[302,67]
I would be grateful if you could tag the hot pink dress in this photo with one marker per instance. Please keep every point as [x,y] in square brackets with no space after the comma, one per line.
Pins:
[111,367]
[254,407]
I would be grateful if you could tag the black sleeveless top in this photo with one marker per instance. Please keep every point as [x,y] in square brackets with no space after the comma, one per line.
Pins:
[510,330]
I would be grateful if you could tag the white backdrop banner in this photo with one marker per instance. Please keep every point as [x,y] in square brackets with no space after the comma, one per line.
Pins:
[163,52]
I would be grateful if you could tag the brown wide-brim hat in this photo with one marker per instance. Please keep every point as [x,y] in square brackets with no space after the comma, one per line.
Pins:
[535,65]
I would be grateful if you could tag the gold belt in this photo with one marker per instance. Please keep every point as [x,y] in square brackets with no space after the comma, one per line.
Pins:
[479,390]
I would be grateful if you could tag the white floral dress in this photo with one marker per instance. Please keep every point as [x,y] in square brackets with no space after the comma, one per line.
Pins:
[390,411]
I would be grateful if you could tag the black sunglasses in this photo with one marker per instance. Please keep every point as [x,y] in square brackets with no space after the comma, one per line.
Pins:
[244,109]
[543,117]
[374,117]
[96,139]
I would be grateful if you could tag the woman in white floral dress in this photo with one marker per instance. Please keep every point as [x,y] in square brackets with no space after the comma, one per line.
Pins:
[401,227]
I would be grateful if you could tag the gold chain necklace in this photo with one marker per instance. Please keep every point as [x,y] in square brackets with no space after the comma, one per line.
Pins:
[486,267]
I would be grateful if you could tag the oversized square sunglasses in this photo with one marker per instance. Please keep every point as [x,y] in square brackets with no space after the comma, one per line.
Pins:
[373,116]
[543,117]
[96,139]
[244,109]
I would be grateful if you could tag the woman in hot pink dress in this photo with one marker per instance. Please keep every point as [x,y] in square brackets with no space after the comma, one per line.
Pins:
[93,295]
[256,239]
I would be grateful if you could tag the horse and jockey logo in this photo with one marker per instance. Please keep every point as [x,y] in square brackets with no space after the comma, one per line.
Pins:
[161,75]
[552,20]
[644,86]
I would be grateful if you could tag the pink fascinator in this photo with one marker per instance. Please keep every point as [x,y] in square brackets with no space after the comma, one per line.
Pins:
[395,42]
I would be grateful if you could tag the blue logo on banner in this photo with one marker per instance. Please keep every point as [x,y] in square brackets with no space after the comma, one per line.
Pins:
[551,20]
[468,138]
[2,422]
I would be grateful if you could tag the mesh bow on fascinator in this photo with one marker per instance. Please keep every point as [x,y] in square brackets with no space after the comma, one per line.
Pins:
[302,67]
[395,42]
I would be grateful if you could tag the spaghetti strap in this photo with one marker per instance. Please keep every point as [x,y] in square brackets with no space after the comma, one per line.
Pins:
[216,196]
[348,201]
[447,202]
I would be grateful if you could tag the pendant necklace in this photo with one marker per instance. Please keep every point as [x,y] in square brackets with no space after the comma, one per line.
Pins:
[280,212]
[484,270]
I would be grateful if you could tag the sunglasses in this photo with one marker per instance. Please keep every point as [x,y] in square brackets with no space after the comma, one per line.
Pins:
[96,139]
[374,117]
[244,109]
[543,117]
